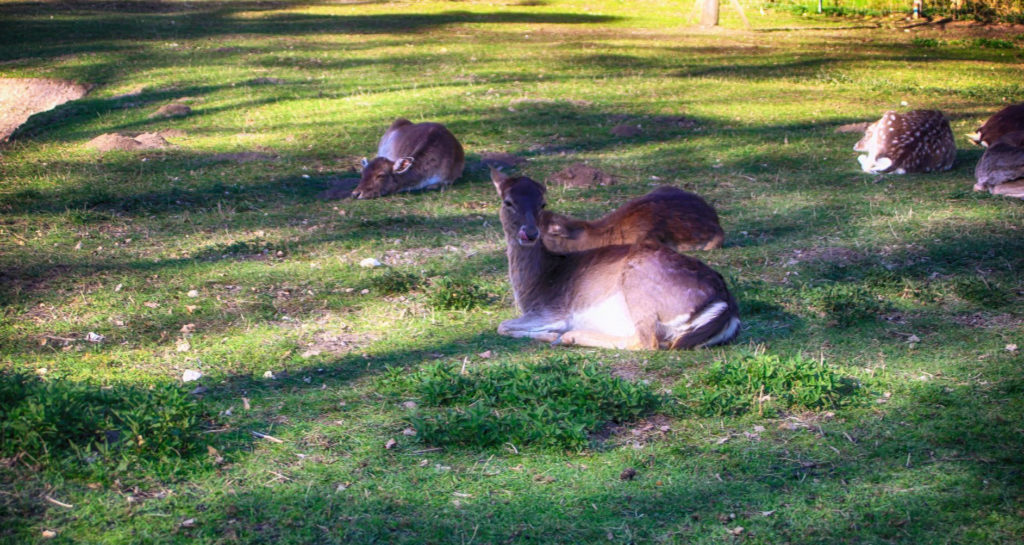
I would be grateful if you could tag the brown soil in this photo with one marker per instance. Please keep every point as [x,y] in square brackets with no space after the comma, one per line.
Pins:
[21,98]
[131,142]
[175,109]
[581,175]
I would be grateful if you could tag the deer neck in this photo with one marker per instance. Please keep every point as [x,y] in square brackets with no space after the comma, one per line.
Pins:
[530,273]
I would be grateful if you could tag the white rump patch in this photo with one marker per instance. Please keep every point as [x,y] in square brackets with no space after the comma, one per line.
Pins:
[727,333]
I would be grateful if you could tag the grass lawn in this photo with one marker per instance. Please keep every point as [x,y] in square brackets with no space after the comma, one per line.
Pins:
[875,393]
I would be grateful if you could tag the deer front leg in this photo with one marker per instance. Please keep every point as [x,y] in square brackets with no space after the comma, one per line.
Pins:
[583,337]
[533,326]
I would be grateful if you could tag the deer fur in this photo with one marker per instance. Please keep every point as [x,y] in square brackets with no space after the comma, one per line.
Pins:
[410,157]
[1001,168]
[639,296]
[1005,121]
[678,218]
[916,141]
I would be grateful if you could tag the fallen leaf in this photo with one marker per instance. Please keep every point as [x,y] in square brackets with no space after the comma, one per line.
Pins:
[183,346]
[370,263]
[408,432]
[190,308]
[49,534]
[94,337]
[1011,348]
[390,444]
[409,404]
[627,474]
[342,486]
[188,523]
[190,375]
[151,304]
[217,458]
[193,293]
[736,531]
[486,354]
[188,328]
[245,403]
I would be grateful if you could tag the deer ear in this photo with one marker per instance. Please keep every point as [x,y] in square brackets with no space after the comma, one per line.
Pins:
[498,177]
[402,165]
[365,162]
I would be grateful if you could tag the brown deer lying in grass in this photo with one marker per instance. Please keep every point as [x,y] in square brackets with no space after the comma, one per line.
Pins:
[1001,169]
[409,157]
[639,296]
[917,141]
[678,218]
[1005,121]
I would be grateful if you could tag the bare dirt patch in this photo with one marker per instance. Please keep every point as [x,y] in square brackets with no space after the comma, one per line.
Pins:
[581,175]
[853,128]
[987,321]
[129,142]
[637,433]
[175,109]
[21,98]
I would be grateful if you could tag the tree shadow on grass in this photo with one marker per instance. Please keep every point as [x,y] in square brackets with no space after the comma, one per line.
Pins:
[911,473]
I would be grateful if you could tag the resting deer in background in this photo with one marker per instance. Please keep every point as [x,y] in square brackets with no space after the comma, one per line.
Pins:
[1005,121]
[1001,169]
[678,218]
[409,157]
[917,141]
[639,296]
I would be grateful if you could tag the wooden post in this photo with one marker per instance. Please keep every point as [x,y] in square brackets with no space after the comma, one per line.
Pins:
[709,13]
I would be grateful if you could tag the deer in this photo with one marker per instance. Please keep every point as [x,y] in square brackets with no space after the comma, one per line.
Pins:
[916,141]
[636,296]
[411,157]
[1005,121]
[678,218]
[1000,170]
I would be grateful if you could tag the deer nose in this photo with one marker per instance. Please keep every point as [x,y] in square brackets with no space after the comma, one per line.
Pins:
[528,234]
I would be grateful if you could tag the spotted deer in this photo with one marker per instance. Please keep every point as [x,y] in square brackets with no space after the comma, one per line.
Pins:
[1005,121]
[916,141]
[410,157]
[678,218]
[639,296]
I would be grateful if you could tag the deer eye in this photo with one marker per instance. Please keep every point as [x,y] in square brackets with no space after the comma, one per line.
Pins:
[508,203]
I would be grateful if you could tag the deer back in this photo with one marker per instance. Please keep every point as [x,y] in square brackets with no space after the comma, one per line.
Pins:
[410,157]
[916,141]
[678,218]
[1007,120]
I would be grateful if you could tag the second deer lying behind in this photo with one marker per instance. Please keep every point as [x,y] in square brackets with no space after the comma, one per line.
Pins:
[639,296]
[678,218]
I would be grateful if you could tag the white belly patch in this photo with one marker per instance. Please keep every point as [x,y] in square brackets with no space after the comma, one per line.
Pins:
[427,182]
[609,316]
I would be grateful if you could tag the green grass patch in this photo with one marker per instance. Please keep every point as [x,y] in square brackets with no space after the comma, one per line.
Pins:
[765,384]
[69,425]
[556,403]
